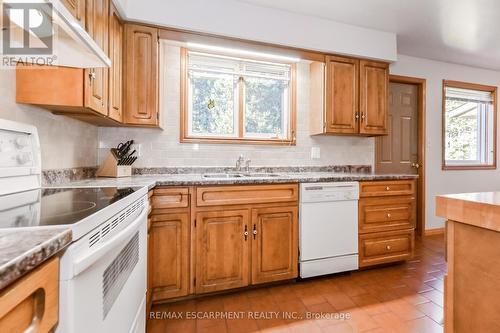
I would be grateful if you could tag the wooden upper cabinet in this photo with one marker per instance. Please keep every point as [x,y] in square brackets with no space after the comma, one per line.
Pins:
[348,96]
[374,92]
[274,244]
[169,251]
[141,75]
[96,79]
[341,95]
[222,250]
[77,9]
[115,72]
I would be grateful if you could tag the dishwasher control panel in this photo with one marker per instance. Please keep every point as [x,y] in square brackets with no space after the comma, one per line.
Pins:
[323,192]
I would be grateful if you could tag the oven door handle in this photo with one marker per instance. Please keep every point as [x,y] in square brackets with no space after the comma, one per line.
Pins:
[81,264]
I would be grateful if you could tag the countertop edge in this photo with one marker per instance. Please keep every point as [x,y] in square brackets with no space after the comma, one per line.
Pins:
[472,212]
[28,260]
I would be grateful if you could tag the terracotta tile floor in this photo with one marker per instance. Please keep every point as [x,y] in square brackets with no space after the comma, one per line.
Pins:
[405,297]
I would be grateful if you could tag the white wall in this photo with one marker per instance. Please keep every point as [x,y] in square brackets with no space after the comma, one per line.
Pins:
[242,20]
[438,181]
[162,148]
[65,142]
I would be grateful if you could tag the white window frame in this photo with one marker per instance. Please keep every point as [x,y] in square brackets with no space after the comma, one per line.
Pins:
[486,145]
[240,135]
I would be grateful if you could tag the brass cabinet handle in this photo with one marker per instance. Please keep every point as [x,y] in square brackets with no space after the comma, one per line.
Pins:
[245,234]
[356,115]
[254,231]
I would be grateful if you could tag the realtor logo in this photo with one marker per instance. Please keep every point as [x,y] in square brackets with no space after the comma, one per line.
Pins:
[27,33]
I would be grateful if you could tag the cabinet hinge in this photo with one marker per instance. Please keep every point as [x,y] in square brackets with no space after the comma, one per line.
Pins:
[195,223]
[194,282]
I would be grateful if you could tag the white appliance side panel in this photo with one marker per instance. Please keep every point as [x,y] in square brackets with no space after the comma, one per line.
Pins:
[328,266]
[328,229]
[82,297]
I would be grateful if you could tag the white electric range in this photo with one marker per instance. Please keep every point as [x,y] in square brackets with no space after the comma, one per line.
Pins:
[103,270]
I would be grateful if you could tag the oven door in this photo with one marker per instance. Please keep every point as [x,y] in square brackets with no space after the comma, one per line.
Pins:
[107,287]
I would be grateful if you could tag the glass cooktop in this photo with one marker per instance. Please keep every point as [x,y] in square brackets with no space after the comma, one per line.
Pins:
[57,206]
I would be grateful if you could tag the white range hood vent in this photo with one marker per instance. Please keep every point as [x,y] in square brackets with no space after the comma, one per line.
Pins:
[68,43]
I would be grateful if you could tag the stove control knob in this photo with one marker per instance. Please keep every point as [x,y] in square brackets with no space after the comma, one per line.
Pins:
[22,142]
[23,158]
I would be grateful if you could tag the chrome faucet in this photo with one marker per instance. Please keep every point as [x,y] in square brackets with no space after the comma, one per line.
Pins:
[247,165]
[239,161]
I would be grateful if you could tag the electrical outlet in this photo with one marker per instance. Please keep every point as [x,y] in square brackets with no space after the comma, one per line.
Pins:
[315,153]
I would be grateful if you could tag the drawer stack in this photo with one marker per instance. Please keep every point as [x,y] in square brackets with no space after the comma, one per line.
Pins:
[387,214]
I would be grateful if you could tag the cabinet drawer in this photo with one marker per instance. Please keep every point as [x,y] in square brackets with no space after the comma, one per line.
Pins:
[170,198]
[32,303]
[247,194]
[387,213]
[385,188]
[385,247]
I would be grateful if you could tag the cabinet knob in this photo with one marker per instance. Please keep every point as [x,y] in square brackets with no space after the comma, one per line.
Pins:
[388,215]
[357,115]
[92,75]
[387,188]
[388,247]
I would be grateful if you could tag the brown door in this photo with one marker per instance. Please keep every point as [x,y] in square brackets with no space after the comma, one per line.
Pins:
[341,95]
[115,72]
[96,79]
[274,244]
[141,75]
[168,255]
[398,151]
[373,92]
[223,243]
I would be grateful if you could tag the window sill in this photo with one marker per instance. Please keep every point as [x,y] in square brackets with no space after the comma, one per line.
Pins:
[242,141]
[468,167]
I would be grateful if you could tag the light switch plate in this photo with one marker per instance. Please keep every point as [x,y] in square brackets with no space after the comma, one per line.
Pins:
[315,153]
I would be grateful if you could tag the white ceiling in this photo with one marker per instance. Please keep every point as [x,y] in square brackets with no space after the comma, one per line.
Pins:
[458,31]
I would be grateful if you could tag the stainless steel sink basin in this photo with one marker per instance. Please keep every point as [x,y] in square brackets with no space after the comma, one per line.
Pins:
[222,175]
[262,175]
[239,175]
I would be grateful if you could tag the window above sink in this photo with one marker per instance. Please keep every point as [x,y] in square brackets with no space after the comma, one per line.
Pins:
[235,100]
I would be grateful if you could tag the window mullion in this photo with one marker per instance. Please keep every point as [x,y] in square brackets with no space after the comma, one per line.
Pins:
[241,107]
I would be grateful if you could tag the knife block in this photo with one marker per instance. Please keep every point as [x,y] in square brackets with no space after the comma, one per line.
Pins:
[110,168]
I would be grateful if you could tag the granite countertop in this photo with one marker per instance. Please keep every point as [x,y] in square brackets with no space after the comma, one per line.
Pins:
[480,209]
[152,180]
[22,250]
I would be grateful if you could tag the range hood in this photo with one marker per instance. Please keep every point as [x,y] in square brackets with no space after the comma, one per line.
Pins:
[72,46]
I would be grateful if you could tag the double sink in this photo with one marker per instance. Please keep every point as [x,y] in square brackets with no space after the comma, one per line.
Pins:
[237,175]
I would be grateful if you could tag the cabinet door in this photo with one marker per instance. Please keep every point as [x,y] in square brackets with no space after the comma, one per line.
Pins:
[141,75]
[115,72]
[274,244]
[77,9]
[169,238]
[222,250]
[96,79]
[341,95]
[374,87]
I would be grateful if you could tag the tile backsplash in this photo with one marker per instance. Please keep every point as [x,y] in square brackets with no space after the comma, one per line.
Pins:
[65,142]
[161,148]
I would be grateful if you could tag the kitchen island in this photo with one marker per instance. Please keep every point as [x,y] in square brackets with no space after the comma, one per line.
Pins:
[472,293]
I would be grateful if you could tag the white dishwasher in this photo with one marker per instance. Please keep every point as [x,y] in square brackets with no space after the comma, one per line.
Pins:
[328,228]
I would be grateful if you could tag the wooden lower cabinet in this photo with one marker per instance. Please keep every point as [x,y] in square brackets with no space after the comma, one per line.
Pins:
[274,244]
[385,247]
[222,247]
[387,214]
[32,303]
[169,255]
[198,247]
